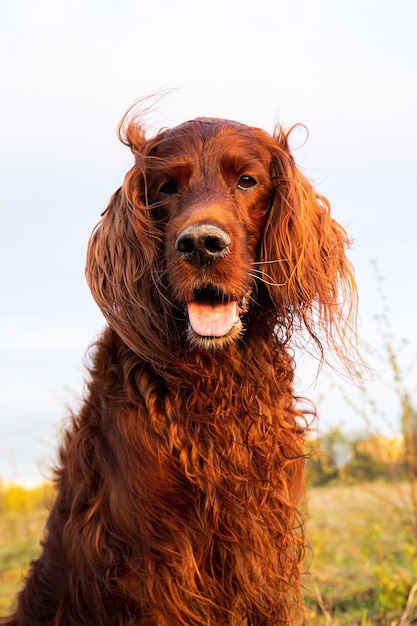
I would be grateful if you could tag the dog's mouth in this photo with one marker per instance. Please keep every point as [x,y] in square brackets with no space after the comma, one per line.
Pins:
[214,317]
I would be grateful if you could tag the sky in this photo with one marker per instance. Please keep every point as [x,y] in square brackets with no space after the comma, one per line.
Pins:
[347,70]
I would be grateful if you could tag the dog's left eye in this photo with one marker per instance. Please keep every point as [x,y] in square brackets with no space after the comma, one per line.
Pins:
[246,182]
[169,188]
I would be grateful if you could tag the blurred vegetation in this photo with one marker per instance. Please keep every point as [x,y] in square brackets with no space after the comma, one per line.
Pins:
[354,458]
[23,514]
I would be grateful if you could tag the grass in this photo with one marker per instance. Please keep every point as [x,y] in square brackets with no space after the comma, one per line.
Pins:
[362,564]
[364,557]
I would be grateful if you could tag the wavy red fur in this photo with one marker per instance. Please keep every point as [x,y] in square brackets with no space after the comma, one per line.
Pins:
[180,479]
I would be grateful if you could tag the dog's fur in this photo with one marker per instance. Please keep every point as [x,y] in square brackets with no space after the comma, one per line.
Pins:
[180,479]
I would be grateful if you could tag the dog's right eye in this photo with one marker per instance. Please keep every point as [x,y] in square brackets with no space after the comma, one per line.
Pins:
[169,188]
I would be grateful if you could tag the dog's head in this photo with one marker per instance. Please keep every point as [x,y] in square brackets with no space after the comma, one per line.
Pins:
[214,229]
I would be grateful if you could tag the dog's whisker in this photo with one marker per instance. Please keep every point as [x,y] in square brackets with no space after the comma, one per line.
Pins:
[270,262]
[262,279]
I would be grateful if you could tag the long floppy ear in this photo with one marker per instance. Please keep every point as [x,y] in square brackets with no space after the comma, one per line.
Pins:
[303,258]
[124,262]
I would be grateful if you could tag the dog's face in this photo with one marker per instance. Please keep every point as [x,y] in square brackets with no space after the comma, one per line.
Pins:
[208,183]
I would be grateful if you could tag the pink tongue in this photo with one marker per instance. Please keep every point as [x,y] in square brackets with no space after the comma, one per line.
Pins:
[212,320]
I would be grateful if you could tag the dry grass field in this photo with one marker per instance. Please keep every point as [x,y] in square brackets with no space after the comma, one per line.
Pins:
[364,555]
[362,563]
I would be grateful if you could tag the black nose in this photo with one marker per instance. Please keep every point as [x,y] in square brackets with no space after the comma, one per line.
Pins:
[202,244]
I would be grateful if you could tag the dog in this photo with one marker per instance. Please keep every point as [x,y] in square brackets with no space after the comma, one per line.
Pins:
[180,480]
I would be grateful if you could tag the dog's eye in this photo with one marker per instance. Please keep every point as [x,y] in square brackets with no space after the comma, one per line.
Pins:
[246,182]
[169,188]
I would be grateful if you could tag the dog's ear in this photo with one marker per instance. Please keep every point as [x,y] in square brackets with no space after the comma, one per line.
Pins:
[303,259]
[124,270]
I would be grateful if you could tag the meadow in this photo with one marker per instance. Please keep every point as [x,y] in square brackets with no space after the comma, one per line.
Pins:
[362,561]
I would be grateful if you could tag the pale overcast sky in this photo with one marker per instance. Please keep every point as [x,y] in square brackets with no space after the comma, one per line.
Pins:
[68,72]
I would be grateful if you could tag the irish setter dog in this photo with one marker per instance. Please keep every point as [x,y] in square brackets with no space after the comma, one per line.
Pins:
[180,479]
